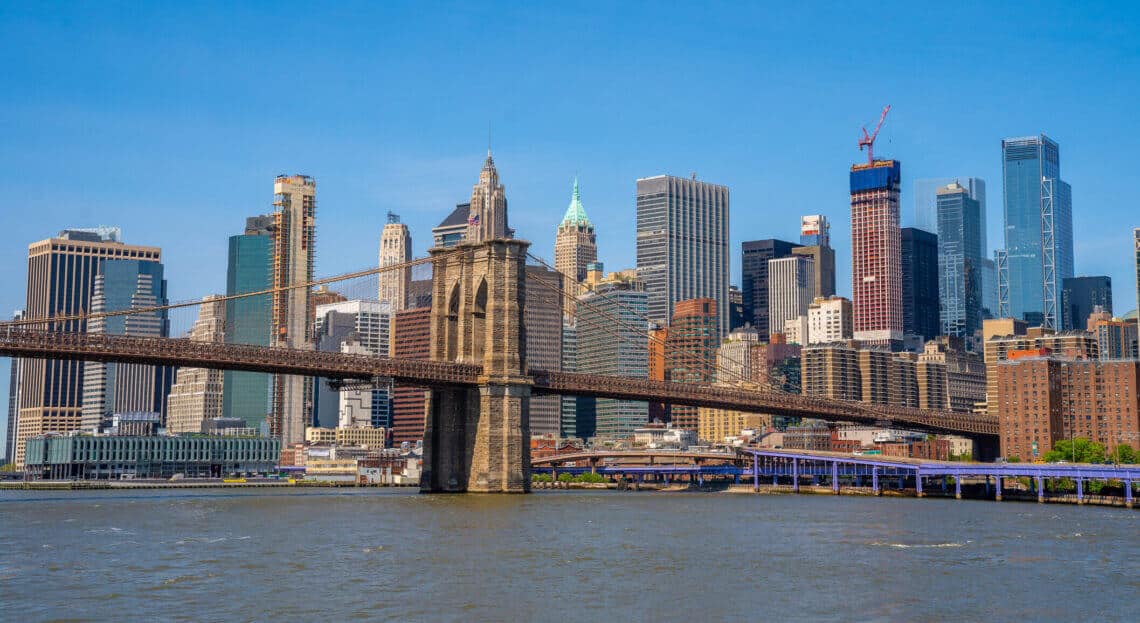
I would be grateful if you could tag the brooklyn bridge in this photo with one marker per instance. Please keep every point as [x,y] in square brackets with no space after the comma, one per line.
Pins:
[477,430]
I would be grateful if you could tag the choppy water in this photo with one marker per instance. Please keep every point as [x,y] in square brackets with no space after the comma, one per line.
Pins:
[260,555]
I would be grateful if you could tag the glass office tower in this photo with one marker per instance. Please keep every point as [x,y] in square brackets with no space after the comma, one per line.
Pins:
[250,269]
[1038,221]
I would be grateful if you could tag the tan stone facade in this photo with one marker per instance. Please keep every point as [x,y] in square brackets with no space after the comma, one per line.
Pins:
[478,440]
[196,395]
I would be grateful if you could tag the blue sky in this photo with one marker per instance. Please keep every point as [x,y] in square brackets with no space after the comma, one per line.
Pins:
[171,120]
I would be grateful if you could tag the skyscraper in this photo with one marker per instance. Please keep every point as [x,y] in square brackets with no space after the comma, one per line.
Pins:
[876,267]
[682,244]
[543,317]
[14,381]
[1079,295]
[61,273]
[616,348]
[116,387]
[815,231]
[961,262]
[295,210]
[926,200]
[575,244]
[1136,247]
[791,288]
[395,248]
[487,215]
[690,351]
[754,257]
[919,282]
[249,269]
[196,395]
[361,327]
[411,339]
[1038,252]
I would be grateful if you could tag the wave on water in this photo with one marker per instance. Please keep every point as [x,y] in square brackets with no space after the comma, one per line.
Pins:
[920,545]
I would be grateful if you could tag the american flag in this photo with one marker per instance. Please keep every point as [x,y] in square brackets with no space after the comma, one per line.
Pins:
[473,219]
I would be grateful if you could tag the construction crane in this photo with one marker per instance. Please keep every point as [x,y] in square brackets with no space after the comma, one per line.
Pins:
[868,140]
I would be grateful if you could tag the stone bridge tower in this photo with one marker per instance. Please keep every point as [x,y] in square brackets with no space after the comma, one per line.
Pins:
[478,439]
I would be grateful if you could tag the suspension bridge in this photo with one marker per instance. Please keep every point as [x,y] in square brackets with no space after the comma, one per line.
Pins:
[477,380]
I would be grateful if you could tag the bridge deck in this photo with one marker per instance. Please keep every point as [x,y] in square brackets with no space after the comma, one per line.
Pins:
[17,342]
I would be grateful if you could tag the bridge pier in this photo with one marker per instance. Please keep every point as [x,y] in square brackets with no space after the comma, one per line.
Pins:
[958,487]
[795,475]
[875,480]
[1127,494]
[918,484]
[1080,489]
[997,489]
[835,477]
[478,440]
[1040,490]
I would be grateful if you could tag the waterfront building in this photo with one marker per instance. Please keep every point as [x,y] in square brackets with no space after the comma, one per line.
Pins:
[249,268]
[754,258]
[961,255]
[690,352]
[1080,295]
[1043,399]
[876,267]
[920,283]
[543,342]
[395,249]
[575,243]
[1006,335]
[294,234]
[85,457]
[791,288]
[1038,253]
[682,244]
[61,271]
[616,347]
[830,320]
[116,387]
[717,425]
[411,339]
[196,395]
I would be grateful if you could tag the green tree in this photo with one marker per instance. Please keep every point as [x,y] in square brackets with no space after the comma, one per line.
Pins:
[1125,454]
[1079,450]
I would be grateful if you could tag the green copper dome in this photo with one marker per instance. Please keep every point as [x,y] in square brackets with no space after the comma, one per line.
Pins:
[575,214]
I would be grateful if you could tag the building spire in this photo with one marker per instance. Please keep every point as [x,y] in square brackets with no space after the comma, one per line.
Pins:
[575,214]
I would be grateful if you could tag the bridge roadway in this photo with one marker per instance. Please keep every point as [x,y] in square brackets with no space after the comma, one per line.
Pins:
[19,342]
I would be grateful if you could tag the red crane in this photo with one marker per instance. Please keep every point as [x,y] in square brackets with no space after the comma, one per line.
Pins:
[868,140]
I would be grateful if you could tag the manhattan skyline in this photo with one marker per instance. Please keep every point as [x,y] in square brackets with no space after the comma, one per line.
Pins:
[170,122]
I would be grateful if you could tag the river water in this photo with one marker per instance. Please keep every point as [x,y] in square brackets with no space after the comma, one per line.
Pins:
[335,555]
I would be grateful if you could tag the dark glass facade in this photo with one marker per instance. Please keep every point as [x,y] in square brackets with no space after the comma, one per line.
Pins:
[1038,231]
[920,282]
[961,261]
[1079,295]
[754,256]
[250,269]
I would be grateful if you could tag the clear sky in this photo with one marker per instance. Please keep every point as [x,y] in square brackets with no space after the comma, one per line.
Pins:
[170,120]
